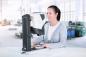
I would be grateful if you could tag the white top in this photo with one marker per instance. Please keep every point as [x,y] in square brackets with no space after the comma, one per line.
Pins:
[51,30]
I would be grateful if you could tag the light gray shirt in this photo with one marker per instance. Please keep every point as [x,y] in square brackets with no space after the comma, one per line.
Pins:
[59,35]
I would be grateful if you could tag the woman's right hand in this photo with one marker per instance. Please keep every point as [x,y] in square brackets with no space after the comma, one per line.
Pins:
[45,45]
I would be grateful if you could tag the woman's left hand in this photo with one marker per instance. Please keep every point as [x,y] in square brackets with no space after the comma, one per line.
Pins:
[45,45]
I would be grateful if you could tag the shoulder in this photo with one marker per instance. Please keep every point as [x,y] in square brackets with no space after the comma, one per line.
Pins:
[62,25]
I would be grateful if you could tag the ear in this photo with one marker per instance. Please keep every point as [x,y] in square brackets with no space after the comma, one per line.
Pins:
[56,13]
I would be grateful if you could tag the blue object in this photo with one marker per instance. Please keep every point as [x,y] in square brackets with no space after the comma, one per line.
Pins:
[70,33]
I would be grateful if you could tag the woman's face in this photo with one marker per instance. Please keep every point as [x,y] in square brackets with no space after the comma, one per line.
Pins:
[51,15]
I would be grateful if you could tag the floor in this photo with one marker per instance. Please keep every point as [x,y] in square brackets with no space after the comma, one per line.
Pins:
[11,46]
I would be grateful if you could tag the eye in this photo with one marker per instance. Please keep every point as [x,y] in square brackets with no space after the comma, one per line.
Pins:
[49,13]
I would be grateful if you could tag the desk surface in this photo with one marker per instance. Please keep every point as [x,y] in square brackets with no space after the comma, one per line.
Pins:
[56,52]
[11,47]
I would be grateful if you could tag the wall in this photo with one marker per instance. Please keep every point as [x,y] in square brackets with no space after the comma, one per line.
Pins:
[73,10]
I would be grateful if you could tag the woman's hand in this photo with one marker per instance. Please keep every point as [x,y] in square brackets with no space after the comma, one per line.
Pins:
[45,45]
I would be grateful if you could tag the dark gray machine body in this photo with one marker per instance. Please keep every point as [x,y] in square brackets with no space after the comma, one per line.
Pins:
[26,32]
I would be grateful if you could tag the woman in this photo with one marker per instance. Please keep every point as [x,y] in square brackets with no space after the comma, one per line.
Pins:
[55,31]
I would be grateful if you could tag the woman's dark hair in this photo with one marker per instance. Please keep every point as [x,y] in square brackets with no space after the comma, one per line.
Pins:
[57,10]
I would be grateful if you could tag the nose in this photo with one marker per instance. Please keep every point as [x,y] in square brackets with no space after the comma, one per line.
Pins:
[48,14]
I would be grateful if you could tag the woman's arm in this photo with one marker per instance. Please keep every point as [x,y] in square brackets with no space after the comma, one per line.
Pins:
[63,35]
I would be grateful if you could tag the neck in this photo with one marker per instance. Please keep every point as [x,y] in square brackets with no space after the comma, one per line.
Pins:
[54,23]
